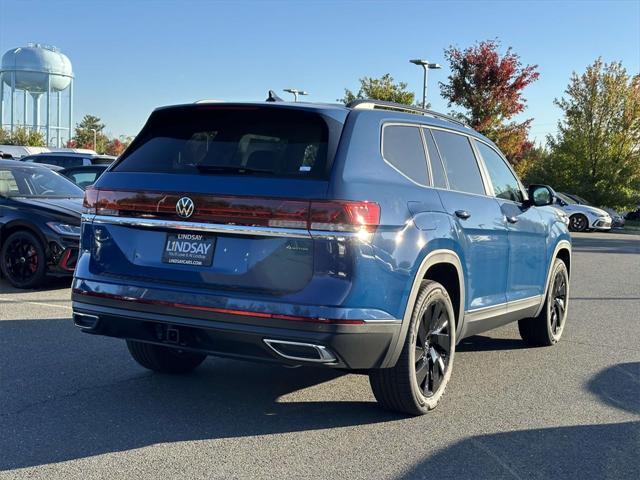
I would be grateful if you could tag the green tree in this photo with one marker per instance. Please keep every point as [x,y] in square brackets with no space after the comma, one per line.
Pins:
[488,86]
[383,88]
[22,136]
[596,153]
[83,137]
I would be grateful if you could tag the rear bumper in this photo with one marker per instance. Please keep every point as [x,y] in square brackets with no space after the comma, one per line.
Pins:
[350,346]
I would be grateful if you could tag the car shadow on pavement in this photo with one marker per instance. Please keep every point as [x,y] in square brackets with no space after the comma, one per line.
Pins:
[605,245]
[603,451]
[481,343]
[607,451]
[67,395]
[619,386]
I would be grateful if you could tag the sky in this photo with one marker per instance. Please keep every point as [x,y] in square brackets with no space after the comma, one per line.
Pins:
[130,57]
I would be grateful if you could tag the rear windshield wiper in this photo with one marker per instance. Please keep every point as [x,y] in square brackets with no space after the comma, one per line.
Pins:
[231,169]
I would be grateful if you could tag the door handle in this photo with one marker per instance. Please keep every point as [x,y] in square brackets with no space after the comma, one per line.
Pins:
[463,214]
[512,219]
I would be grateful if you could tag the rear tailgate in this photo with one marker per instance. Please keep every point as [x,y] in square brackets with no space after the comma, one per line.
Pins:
[214,197]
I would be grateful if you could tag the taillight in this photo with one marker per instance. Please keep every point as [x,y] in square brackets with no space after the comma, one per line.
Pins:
[333,216]
[344,216]
[90,200]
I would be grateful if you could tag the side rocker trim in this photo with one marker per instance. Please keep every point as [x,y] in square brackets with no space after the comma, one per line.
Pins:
[433,258]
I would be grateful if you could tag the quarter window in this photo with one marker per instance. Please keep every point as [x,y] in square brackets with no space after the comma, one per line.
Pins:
[460,162]
[402,147]
[505,184]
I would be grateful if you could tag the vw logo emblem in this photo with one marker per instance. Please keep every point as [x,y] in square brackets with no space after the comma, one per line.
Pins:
[185,207]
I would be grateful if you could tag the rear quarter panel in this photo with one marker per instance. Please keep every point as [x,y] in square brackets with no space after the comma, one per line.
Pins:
[413,220]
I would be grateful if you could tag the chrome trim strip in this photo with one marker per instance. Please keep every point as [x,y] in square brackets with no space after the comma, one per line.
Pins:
[203,227]
[221,228]
[502,308]
[326,356]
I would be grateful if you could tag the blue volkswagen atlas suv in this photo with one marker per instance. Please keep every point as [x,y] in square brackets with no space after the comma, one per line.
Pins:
[370,237]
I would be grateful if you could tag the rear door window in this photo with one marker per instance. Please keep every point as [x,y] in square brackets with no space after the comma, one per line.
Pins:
[437,168]
[460,162]
[402,147]
[247,141]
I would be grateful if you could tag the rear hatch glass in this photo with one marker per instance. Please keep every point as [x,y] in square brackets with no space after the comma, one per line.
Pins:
[254,141]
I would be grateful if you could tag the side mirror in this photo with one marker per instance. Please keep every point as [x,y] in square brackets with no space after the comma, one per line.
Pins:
[541,195]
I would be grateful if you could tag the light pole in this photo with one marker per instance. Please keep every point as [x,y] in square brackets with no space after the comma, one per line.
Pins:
[95,139]
[426,66]
[295,92]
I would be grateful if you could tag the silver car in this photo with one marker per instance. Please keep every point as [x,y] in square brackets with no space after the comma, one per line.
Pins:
[617,219]
[583,217]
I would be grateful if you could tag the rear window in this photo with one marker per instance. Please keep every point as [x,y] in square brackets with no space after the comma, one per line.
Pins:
[228,140]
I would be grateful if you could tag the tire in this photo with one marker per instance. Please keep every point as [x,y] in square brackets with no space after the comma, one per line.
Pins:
[399,388]
[22,260]
[546,329]
[578,223]
[164,359]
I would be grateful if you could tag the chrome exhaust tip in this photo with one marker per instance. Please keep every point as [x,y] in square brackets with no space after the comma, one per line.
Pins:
[85,321]
[299,351]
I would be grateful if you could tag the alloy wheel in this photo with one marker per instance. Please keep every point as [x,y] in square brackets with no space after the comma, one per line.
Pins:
[21,260]
[578,223]
[433,348]
[559,303]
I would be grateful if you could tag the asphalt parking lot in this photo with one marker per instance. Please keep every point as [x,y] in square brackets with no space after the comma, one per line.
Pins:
[76,406]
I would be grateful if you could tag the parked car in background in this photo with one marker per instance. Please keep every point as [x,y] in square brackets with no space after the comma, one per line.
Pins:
[633,215]
[39,223]
[84,175]
[371,237]
[582,217]
[69,159]
[617,219]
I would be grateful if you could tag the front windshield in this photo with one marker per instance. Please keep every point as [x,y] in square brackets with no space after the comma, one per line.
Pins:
[566,199]
[35,182]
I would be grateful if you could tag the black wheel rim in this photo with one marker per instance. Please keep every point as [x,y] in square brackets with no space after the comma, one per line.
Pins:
[578,223]
[21,260]
[559,305]
[433,348]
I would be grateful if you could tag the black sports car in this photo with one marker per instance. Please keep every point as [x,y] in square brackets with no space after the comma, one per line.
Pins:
[39,223]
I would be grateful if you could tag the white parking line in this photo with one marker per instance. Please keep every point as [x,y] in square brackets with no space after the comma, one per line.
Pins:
[42,304]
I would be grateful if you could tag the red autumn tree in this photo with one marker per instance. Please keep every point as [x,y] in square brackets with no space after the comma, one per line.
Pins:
[489,87]
[116,146]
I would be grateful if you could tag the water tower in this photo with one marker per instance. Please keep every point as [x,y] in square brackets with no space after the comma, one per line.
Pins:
[27,74]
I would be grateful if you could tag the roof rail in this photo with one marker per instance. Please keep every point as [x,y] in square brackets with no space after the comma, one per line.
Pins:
[366,104]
